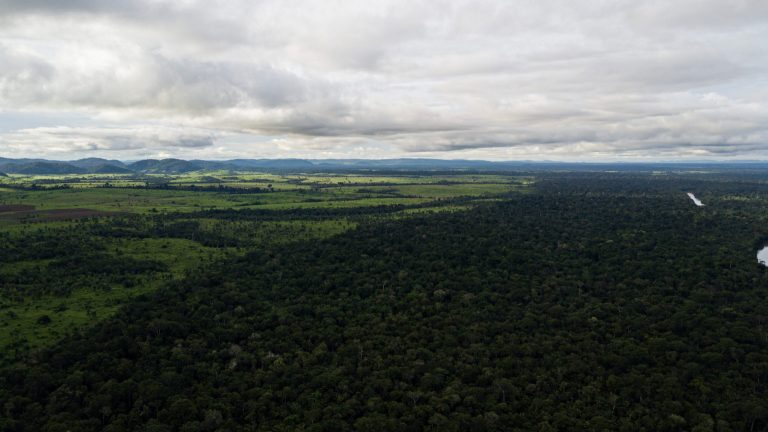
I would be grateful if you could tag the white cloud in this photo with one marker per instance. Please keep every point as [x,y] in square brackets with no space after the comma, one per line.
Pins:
[486,78]
[63,141]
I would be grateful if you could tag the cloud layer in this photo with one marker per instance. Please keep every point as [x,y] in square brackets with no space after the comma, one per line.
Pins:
[488,79]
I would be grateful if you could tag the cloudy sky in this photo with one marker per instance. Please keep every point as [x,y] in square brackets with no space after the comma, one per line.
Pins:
[485,79]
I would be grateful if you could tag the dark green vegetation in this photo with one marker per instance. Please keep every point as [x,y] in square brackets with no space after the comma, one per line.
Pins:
[75,247]
[584,302]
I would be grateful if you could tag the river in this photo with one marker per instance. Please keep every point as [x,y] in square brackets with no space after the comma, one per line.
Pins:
[695,200]
[762,256]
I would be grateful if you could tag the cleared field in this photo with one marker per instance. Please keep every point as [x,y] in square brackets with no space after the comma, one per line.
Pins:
[117,200]
[62,214]
[170,225]
[13,208]
[430,210]
[26,320]
[443,190]
[78,202]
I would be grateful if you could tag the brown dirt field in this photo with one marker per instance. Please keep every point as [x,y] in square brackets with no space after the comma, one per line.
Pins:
[6,208]
[54,215]
[64,214]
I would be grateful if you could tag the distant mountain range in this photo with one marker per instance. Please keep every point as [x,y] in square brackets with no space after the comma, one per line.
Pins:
[147,166]
[179,166]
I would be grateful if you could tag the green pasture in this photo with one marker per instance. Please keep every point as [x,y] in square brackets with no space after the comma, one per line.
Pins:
[150,200]
[21,327]
[19,321]
[282,191]
[430,210]
[252,179]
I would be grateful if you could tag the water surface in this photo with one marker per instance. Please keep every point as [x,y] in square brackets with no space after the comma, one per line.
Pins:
[695,200]
[762,256]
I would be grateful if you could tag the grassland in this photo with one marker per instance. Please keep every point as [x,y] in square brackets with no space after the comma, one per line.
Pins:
[117,193]
[183,222]
[19,320]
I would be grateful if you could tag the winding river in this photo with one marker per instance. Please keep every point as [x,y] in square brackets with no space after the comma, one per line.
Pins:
[762,256]
[695,200]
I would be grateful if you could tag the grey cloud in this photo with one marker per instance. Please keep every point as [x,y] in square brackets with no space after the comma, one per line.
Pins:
[152,81]
[53,6]
[698,15]
[68,140]
[459,76]
[22,75]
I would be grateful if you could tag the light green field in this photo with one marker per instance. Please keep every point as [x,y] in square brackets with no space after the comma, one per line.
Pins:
[430,210]
[19,326]
[119,200]
[284,197]
[32,228]
[19,320]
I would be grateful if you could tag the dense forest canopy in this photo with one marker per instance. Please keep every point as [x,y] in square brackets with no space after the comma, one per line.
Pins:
[589,301]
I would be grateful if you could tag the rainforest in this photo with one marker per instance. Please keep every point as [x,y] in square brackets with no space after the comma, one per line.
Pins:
[371,299]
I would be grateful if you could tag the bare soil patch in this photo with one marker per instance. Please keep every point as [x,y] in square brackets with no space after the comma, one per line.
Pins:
[54,214]
[9,208]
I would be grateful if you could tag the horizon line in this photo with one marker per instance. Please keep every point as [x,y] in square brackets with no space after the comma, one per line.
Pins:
[406,158]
